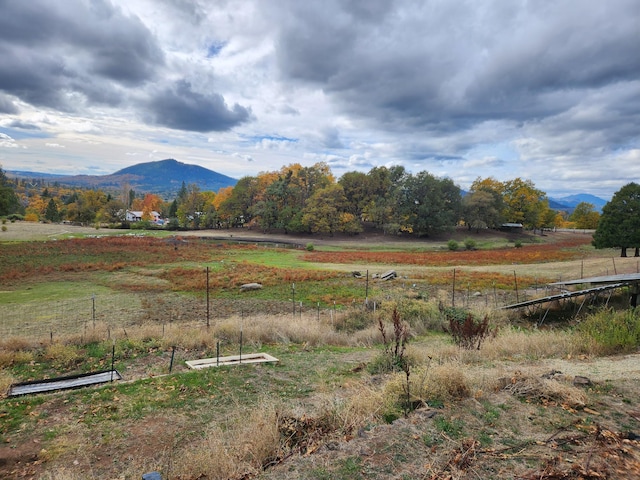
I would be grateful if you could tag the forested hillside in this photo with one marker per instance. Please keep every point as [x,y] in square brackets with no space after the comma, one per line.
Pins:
[297,199]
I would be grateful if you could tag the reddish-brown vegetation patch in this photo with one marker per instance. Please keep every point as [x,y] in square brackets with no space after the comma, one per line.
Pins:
[552,252]
[28,259]
[232,275]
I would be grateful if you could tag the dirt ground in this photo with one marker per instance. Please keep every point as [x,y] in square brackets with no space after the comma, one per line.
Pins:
[572,442]
[598,440]
[21,231]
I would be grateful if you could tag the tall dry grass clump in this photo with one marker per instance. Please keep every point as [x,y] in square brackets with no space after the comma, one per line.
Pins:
[9,358]
[62,355]
[16,343]
[517,344]
[428,384]
[241,448]
[511,344]
[363,405]
[6,380]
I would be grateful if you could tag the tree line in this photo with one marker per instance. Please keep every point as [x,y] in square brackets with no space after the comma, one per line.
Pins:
[298,199]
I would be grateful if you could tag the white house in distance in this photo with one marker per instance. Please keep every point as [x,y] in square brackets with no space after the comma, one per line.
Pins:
[136,216]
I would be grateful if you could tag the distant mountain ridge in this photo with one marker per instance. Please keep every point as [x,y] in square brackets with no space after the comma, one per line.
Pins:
[163,177]
[570,202]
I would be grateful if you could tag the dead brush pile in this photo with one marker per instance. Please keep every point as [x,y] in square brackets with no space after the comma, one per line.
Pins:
[534,388]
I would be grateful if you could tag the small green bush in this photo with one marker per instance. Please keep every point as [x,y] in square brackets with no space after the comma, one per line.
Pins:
[355,320]
[310,247]
[453,245]
[61,355]
[421,315]
[142,225]
[517,244]
[613,332]
[4,228]
[469,244]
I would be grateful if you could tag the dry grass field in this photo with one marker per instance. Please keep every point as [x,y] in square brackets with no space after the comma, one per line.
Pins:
[559,401]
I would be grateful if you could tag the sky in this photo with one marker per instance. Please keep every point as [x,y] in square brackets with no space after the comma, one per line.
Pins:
[547,91]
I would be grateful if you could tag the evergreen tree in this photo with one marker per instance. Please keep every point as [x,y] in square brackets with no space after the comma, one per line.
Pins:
[619,225]
[173,209]
[9,202]
[51,213]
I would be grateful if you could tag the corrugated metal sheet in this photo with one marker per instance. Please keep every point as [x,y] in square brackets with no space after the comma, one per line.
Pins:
[63,383]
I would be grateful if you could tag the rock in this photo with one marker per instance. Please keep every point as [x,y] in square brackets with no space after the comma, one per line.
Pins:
[151,476]
[580,381]
[250,286]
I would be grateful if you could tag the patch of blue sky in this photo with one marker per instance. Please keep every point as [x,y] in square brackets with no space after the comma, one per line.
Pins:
[22,134]
[272,138]
[214,49]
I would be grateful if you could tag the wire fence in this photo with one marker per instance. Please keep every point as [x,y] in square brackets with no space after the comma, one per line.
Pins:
[74,316]
[47,319]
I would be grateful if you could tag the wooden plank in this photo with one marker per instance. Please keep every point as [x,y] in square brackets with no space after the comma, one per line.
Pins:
[231,360]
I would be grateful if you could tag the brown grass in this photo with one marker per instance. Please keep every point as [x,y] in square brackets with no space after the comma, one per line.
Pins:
[531,386]
[429,383]
[238,449]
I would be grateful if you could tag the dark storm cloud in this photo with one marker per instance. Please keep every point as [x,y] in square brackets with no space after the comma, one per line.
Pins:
[180,107]
[53,50]
[6,105]
[447,66]
[22,125]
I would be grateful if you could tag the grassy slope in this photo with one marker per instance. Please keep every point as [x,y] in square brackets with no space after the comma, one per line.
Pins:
[125,429]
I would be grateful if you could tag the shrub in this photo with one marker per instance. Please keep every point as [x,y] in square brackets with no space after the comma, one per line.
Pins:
[354,320]
[420,315]
[309,247]
[431,385]
[31,217]
[393,358]
[142,225]
[469,244]
[453,245]
[517,244]
[613,332]
[4,228]
[466,330]
[61,355]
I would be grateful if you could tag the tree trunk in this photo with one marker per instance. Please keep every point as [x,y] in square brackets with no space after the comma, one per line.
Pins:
[623,251]
[637,254]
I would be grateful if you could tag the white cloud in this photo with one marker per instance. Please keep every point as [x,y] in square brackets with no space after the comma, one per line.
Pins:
[487,88]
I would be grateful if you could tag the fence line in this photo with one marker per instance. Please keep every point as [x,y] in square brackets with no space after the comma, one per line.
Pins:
[50,318]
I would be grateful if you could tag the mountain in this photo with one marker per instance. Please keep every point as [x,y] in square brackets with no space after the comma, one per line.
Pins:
[570,202]
[169,175]
[163,177]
